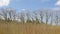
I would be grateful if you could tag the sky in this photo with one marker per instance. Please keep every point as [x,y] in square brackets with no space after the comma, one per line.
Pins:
[30,4]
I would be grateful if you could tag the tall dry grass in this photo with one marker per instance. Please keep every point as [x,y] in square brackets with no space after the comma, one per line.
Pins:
[18,28]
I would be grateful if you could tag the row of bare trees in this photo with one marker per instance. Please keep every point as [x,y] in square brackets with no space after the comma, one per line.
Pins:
[27,16]
[8,13]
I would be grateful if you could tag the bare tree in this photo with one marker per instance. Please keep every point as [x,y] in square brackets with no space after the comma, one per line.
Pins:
[41,16]
[56,19]
[3,13]
[36,16]
[47,16]
[32,18]
[28,16]
[11,13]
[51,15]
[21,17]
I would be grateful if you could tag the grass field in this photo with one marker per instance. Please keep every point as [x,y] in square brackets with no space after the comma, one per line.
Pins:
[17,28]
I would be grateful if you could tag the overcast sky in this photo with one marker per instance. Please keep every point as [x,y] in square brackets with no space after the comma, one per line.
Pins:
[30,4]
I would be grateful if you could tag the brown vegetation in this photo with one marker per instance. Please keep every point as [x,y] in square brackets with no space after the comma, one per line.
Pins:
[28,28]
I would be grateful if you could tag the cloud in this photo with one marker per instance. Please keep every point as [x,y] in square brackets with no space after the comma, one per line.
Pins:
[4,2]
[58,3]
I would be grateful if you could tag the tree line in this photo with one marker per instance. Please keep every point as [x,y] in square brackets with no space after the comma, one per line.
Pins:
[28,16]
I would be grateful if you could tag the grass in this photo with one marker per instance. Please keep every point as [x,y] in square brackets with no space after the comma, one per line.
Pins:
[18,28]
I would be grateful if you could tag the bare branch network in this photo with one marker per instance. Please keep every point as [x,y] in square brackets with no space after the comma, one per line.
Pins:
[27,16]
